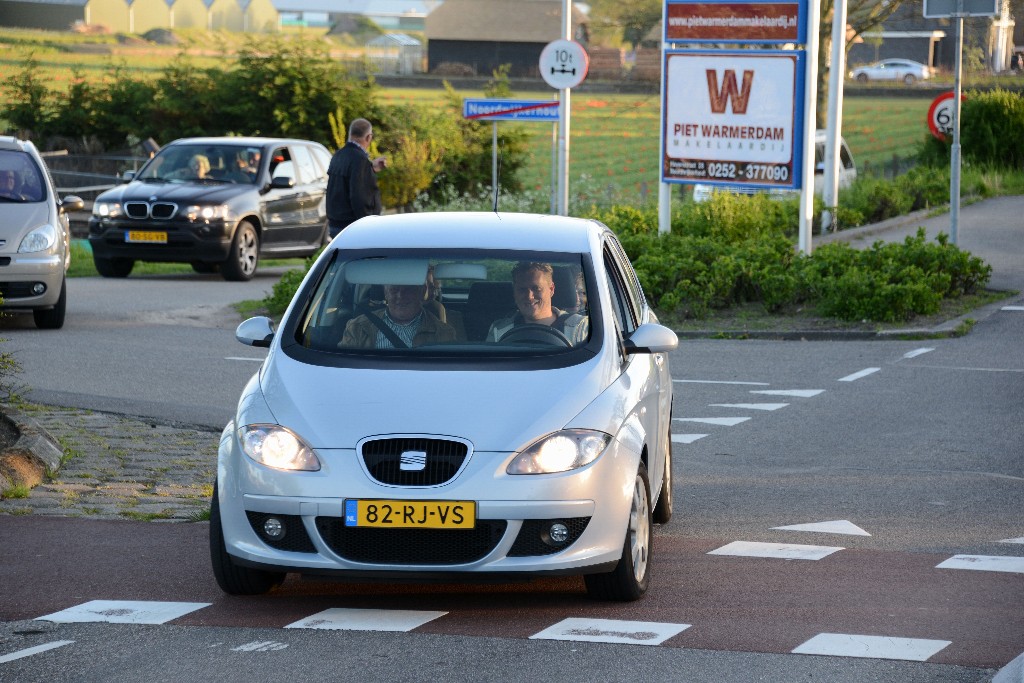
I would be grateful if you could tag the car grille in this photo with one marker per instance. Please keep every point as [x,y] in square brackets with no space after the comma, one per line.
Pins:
[530,540]
[411,546]
[160,211]
[413,461]
[295,539]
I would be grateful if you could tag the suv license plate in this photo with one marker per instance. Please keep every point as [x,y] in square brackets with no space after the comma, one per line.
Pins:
[145,236]
[411,514]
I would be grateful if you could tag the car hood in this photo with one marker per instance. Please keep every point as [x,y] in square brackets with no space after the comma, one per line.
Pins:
[175,192]
[494,410]
[16,219]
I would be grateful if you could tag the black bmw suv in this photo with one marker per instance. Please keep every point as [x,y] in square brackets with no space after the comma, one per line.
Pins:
[217,203]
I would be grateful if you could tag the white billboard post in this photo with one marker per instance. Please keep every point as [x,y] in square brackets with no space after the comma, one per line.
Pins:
[958,9]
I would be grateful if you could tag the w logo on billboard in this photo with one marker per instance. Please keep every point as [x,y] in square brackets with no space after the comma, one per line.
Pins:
[729,90]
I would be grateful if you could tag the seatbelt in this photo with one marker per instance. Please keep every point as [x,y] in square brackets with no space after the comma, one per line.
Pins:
[388,333]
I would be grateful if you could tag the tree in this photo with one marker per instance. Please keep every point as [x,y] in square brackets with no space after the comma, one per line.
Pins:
[861,17]
[628,21]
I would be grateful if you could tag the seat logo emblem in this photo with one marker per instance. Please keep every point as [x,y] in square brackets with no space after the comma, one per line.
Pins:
[413,461]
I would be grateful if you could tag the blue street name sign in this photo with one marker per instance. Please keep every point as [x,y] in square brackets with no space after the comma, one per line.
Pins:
[510,110]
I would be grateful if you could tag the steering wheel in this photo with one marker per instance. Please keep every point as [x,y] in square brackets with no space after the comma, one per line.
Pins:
[533,332]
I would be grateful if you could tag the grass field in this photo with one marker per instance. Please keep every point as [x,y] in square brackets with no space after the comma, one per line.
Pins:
[613,144]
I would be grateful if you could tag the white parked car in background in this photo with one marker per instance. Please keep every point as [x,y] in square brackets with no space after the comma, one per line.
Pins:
[905,70]
[847,174]
[35,235]
[455,396]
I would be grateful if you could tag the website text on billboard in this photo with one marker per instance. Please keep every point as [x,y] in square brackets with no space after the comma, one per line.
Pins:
[758,22]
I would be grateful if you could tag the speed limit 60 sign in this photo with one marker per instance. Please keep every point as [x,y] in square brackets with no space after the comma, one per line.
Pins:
[940,115]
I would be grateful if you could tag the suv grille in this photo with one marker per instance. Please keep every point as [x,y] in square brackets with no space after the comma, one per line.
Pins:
[414,461]
[157,210]
[411,546]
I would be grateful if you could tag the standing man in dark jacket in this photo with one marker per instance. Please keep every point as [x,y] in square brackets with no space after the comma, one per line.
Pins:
[352,190]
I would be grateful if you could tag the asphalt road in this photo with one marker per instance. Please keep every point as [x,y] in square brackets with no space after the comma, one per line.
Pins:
[909,452]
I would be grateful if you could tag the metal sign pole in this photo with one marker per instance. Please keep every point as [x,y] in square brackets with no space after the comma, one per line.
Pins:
[954,157]
[810,106]
[494,159]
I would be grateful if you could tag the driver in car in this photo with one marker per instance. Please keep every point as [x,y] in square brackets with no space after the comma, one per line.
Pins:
[533,286]
[403,323]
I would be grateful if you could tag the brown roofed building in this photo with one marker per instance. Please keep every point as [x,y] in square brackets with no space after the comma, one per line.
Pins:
[475,37]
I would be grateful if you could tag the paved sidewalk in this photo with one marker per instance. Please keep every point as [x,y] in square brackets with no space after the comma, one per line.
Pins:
[118,467]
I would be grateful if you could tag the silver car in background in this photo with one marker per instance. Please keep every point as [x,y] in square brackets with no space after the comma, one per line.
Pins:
[906,71]
[35,235]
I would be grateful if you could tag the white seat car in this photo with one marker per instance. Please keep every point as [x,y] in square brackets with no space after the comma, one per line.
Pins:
[35,235]
[458,396]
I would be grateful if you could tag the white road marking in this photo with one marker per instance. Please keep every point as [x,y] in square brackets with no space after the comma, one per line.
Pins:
[714,381]
[725,421]
[839,526]
[782,551]
[750,406]
[984,563]
[124,612]
[28,652]
[611,631]
[686,438]
[345,619]
[857,375]
[871,647]
[1012,308]
[260,646]
[256,360]
[1013,540]
[798,393]
[1012,672]
[917,352]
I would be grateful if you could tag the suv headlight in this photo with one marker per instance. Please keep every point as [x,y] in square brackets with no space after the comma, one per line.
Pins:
[106,209]
[207,212]
[277,447]
[562,451]
[41,239]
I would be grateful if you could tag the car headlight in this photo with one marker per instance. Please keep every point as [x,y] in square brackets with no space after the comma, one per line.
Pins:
[562,451]
[41,239]
[277,447]
[207,212]
[106,209]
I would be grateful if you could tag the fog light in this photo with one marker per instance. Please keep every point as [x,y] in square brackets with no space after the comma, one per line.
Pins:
[558,533]
[273,528]
[38,288]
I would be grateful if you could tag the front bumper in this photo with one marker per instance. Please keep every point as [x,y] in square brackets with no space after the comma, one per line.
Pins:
[186,241]
[514,514]
[20,272]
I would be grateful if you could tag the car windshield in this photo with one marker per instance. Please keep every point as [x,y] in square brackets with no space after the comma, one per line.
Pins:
[466,302]
[21,179]
[212,163]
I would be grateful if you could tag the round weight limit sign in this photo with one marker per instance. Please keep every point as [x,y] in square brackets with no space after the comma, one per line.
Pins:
[564,64]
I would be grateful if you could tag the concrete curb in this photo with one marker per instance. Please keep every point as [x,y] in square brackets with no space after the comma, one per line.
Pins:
[33,454]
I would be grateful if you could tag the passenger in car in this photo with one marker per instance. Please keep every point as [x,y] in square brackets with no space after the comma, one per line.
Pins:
[10,184]
[403,323]
[198,167]
[533,287]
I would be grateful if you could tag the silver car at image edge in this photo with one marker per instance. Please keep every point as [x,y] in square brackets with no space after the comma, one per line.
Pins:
[35,235]
[477,446]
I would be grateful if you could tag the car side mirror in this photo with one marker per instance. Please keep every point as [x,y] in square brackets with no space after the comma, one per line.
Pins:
[651,338]
[127,176]
[282,182]
[72,203]
[258,331]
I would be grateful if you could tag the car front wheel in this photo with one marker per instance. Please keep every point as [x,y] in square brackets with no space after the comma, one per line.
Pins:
[241,262]
[233,578]
[113,267]
[631,576]
[862,78]
[53,318]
